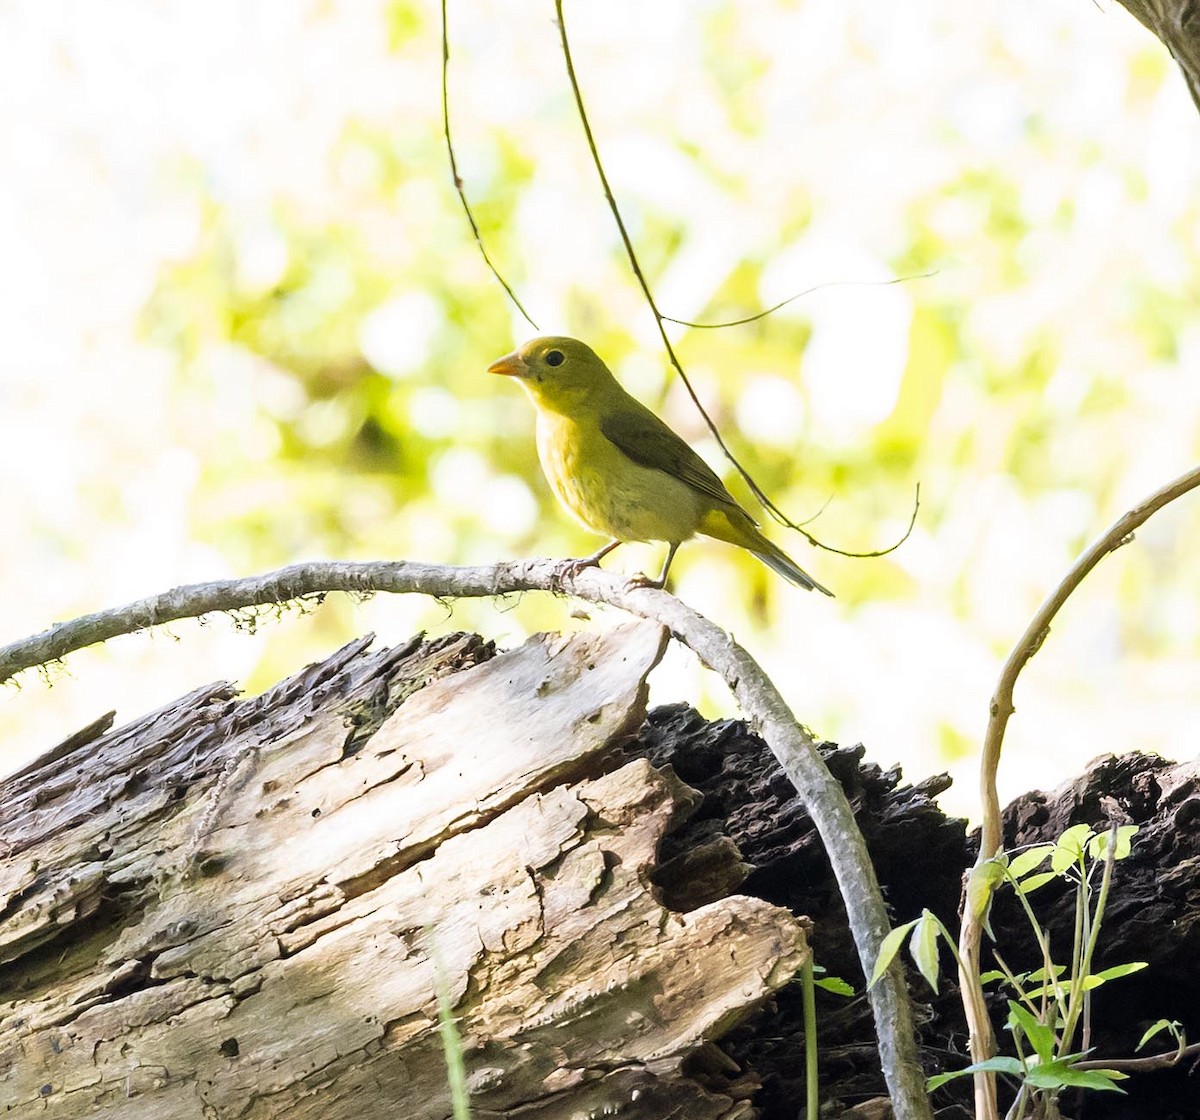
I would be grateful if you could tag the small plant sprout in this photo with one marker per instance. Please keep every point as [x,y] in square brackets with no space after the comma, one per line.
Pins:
[1049,1007]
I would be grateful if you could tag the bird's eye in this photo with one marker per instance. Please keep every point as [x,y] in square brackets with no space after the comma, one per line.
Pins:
[555,358]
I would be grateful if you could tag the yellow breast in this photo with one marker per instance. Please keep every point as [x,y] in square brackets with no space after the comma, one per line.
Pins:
[608,492]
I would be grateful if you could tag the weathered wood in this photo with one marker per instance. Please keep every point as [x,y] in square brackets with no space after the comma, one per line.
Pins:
[243,908]
[918,851]
[1154,909]
[790,742]
[1153,913]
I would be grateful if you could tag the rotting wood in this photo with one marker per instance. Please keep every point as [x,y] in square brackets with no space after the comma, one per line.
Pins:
[789,741]
[235,908]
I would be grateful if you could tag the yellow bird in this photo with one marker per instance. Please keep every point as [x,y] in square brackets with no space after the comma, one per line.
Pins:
[619,469]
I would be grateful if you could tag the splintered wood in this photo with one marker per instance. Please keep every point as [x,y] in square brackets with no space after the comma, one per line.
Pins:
[247,908]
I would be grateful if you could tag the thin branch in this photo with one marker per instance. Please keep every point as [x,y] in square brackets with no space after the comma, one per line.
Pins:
[765,708]
[970,938]
[661,320]
[458,183]
[912,521]
[1117,534]
[792,299]
[1143,1065]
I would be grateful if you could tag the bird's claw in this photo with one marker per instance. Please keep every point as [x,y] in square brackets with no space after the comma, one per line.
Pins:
[646,581]
[570,569]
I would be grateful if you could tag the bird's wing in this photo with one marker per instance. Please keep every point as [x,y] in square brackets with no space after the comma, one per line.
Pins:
[642,436]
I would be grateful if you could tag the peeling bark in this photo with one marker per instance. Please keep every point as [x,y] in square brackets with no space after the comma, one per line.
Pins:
[244,908]
[789,741]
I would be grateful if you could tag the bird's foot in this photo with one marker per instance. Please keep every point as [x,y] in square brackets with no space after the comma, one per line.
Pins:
[646,581]
[569,569]
[660,581]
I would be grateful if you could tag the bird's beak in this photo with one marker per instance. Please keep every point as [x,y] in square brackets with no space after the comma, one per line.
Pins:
[512,365]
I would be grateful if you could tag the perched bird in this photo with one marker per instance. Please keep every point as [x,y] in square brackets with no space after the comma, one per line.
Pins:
[619,469]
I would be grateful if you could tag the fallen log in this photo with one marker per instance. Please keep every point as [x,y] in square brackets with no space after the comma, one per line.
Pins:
[247,907]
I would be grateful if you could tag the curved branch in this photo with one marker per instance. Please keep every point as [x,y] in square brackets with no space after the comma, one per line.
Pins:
[760,700]
[1116,535]
[1002,708]
[1148,1064]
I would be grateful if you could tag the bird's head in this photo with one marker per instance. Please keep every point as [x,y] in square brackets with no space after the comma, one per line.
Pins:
[556,371]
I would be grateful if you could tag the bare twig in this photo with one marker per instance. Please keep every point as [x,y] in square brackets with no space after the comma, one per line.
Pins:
[1143,1065]
[754,691]
[792,299]
[458,183]
[1117,534]
[912,521]
[660,320]
[974,911]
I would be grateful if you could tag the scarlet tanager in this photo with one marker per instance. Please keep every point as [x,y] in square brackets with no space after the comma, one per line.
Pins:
[619,469]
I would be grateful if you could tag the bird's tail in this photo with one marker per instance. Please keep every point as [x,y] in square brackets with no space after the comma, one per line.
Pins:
[779,561]
[737,528]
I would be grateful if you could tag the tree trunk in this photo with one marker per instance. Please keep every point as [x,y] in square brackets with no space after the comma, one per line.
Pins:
[1177,24]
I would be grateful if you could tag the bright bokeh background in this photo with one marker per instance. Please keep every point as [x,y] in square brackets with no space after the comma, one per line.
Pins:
[244,324]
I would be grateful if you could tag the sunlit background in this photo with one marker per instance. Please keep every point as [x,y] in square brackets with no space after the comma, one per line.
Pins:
[244,324]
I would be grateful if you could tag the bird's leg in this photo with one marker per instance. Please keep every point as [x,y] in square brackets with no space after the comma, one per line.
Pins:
[661,581]
[572,568]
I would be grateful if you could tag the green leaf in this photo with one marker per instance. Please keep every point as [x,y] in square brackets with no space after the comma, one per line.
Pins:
[992,1065]
[1061,989]
[1041,1037]
[923,946]
[1060,1073]
[1031,884]
[1095,979]
[1023,863]
[1098,845]
[1055,986]
[1172,1025]
[834,984]
[452,1047]
[1044,1077]
[992,976]
[1039,974]
[888,950]
[1068,851]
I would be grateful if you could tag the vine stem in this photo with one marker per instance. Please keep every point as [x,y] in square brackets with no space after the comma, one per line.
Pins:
[661,320]
[459,189]
[982,1039]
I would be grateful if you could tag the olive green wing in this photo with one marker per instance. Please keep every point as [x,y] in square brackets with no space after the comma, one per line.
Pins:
[645,439]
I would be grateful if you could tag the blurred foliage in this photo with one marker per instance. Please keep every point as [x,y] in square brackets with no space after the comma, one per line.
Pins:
[368,349]
[327,319]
